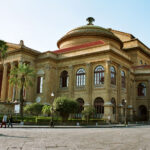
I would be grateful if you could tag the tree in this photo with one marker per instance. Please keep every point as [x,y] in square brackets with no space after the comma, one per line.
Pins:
[21,76]
[65,106]
[33,109]
[88,112]
[46,109]
[3,50]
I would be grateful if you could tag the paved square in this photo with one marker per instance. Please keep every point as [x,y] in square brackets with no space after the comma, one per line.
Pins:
[75,138]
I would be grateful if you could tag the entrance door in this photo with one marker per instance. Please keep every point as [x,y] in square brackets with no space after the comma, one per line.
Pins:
[143,113]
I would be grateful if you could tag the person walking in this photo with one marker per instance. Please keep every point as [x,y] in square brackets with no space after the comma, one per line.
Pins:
[10,120]
[4,121]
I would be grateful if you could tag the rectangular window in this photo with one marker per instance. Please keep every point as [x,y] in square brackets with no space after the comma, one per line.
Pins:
[39,84]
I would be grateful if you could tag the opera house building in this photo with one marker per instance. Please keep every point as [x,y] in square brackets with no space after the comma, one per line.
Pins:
[105,68]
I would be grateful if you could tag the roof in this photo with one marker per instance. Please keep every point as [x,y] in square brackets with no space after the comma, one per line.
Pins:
[117,31]
[89,30]
[78,47]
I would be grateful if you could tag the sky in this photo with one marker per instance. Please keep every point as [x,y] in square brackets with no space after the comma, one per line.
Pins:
[41,23]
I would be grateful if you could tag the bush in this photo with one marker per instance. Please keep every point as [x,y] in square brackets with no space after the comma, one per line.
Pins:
[33,109]
[46,110]
[87,112]
[65,106]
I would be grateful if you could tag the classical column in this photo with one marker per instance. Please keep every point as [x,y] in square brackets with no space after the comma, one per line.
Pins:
[10,90]
[89,83]
[71,81]
[4,83]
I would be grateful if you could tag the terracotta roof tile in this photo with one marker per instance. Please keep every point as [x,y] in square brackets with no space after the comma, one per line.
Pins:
[78,47]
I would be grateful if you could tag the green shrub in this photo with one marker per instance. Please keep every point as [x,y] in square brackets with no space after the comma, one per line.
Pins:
[65,106]
[33,109]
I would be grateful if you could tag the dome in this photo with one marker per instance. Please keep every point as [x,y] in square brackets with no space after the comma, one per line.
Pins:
[87,33]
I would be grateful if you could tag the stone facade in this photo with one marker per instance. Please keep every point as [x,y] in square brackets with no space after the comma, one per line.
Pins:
[86,48]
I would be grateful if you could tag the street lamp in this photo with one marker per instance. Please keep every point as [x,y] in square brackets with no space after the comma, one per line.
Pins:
[51,123]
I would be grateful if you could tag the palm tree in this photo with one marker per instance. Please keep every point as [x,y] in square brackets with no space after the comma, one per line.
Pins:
[21,76]
[3,50]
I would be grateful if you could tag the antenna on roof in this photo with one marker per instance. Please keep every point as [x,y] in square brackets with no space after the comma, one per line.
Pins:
[90,20]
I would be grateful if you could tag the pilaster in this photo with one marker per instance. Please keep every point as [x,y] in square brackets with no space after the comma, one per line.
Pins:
[107,81]
[89,82]
[118,83]
[71,81]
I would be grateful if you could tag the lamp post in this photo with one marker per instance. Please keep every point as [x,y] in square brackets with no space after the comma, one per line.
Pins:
[51,123]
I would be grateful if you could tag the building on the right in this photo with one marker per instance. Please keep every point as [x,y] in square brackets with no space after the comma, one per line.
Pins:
[138,91]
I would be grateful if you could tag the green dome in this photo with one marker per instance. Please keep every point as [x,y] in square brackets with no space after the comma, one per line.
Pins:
[89,30]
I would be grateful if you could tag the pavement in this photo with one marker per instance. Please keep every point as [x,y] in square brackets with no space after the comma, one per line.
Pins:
[66,138]
[82,126]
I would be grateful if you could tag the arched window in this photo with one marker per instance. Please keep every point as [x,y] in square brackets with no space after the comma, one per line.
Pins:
[81,104]
[141,89]
[64,79]
[113,75]
[80,77]
[99,75]
[114,105]
[99,106]
[123,81]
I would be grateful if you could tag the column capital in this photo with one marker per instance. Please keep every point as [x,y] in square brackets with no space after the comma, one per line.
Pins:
[108,62]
